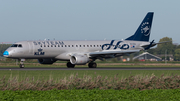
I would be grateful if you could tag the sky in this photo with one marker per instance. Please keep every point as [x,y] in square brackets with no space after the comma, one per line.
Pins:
[86,19]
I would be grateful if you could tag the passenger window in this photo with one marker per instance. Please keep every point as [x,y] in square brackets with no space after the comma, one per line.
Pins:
[94,45]
[68,45]
[61,45]
[72,45]
[90,45]
[44,45]
[83,45]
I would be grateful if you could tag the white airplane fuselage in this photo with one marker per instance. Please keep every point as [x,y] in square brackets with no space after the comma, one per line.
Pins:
[62,50]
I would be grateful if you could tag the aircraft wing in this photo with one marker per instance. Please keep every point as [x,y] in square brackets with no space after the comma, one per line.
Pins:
[111,52]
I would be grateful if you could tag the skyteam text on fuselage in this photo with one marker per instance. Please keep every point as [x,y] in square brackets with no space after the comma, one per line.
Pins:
[82,52]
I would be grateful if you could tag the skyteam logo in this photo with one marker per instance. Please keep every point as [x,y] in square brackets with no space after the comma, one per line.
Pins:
[39,52]
[109,46]
[145,28]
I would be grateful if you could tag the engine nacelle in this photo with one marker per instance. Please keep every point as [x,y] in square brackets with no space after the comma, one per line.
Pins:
[46,61]
[79,59]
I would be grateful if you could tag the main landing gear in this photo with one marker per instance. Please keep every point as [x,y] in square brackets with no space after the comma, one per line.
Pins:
[90,65]
[22,63]
[70,65]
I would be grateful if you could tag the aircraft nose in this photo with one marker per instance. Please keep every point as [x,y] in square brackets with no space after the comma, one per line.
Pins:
[6,54]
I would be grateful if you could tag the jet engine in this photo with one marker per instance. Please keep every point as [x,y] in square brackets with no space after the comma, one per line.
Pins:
[79,59]
[46,61]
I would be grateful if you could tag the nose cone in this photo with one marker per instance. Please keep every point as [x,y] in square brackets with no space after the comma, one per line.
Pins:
[6,54]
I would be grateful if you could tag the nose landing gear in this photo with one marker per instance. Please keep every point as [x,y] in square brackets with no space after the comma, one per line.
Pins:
[22,63]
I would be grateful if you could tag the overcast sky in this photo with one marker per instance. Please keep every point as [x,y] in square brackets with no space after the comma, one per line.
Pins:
[86,19]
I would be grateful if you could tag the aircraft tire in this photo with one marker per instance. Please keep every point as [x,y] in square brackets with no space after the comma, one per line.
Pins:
[21,65]
[70,65]
[92,65]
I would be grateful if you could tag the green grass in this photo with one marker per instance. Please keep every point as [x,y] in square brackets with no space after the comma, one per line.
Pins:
[59,74]
[91,95]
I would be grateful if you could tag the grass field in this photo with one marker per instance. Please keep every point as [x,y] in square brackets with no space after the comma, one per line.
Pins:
[86,95]
[96,94]
[59,74]
[82,79]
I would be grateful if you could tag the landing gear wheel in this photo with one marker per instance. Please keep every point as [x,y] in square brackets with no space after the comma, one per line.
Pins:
[92,65]
[70,65]
[21,65]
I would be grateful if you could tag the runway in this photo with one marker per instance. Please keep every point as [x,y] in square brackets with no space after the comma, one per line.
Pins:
[98,68]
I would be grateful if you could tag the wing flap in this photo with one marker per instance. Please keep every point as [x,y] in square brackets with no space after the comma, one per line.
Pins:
[111,52]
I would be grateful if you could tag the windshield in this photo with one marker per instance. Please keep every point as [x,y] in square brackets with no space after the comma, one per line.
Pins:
[19,45]
[16,45]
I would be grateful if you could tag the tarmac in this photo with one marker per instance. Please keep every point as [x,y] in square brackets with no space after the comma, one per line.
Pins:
[86,68]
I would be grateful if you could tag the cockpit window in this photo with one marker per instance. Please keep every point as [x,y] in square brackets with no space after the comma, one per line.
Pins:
[19,45]
[16,45]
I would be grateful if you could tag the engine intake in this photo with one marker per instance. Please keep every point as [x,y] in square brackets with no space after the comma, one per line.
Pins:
[79,59]
[46,61]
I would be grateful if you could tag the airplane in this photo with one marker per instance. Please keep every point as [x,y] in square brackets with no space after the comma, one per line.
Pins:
[82,52]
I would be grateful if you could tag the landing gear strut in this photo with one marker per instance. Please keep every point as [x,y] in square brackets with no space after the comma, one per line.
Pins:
[22,63]
[70,65]
[92,65]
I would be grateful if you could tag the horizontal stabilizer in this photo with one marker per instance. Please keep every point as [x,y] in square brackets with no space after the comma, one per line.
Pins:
[153,44]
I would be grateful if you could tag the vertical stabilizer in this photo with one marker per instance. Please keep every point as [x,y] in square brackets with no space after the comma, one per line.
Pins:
[144,29]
